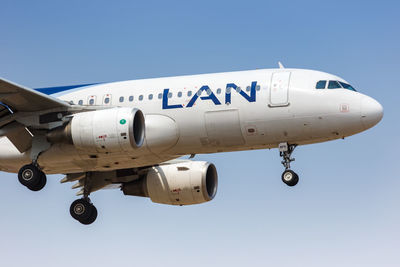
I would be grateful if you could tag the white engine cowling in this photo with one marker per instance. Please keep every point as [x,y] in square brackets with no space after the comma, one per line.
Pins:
[185,183]
[108,130]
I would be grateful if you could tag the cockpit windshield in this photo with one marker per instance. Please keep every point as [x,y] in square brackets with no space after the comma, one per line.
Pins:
[347,86]
[333,85]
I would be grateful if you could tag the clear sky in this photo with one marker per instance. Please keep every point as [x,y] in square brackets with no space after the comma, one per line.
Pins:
[343,212]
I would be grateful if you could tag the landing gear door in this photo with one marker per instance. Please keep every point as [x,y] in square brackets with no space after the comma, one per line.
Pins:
[279,89]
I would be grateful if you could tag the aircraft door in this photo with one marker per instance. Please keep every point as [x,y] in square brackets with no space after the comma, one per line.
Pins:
[279,89]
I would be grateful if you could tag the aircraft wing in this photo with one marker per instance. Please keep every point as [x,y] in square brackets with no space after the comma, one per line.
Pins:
[22,99]
[16,100]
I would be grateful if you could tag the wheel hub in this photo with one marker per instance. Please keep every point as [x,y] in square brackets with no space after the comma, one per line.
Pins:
[288,176]
[79,209]
[27,174]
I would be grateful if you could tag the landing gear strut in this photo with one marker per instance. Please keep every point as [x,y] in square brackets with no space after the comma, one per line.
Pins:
[82,209]
[289,177]
[32,177]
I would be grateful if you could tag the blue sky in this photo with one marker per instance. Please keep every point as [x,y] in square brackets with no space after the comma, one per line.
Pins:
[343,212]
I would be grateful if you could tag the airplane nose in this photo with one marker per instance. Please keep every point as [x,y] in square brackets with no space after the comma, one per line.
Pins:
[371,112]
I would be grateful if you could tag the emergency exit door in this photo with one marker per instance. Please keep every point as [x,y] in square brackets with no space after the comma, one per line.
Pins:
[279,89]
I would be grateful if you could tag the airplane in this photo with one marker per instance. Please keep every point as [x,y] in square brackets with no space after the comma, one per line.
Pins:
[132,135]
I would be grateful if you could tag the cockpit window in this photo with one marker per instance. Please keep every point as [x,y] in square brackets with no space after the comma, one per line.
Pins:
[347,86]
[320,85]
[334,85]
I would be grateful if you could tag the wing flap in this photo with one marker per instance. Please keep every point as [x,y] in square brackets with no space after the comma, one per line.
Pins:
[18,135]
[21,139]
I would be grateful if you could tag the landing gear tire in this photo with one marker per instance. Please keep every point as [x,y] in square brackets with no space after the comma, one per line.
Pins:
[83,211]
[42,182]
[290,178]
[91,218]
[32,177]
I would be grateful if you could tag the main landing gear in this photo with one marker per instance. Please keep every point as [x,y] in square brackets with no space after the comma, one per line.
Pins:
[289,177]
[35,179]
[32,177]
[82,209]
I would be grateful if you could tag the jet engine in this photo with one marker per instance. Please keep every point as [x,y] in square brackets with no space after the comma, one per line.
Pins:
[108,130]
[184,183]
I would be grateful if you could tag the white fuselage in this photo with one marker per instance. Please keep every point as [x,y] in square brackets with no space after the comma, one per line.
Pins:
[232,111]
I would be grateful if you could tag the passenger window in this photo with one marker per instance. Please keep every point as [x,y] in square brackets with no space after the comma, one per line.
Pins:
[131,98]
[107,99]
[159,95]
[121,99]
[218,91]
[140,97]
[189,93]
[179,94]
[209,92]
[169,95]
[92,100]
[80,102]
[238,89]
[334,85]
[150,96]
[258,88]
[320,85]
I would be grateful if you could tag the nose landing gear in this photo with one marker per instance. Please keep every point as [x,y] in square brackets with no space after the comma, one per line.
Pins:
[289,177]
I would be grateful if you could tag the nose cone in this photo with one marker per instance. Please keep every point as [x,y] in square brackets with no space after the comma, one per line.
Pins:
[371,112]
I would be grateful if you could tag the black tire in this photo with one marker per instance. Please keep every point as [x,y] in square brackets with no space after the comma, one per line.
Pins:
[290,178]
[41,184]
[92,217]
[81,209]
[29,175]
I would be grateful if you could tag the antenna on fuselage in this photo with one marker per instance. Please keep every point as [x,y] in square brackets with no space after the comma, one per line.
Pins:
[280,65]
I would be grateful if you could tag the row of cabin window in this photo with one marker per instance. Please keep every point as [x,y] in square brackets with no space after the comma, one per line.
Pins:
[179,94]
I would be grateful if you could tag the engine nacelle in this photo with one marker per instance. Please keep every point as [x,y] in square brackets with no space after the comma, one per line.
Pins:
[108,130]
[185,183]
